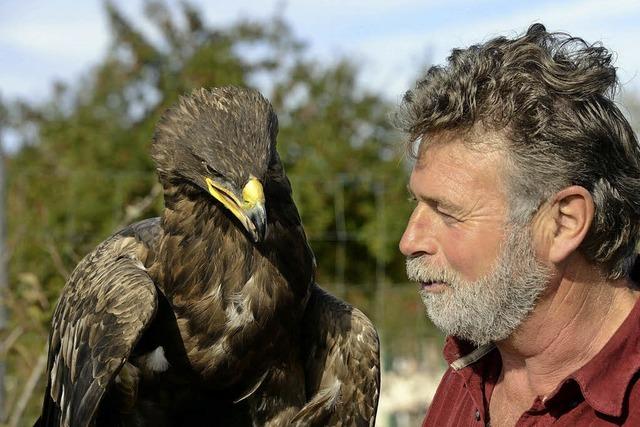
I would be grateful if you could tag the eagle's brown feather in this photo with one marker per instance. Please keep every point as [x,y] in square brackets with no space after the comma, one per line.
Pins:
[341,364]
[104,308]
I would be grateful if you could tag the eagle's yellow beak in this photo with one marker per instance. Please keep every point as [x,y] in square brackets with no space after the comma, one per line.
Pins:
[250,211]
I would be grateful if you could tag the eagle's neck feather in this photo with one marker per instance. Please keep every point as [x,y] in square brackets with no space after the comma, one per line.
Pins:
[225,291]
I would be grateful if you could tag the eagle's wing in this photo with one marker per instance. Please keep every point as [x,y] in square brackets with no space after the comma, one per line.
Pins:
[342,366]
[105,306]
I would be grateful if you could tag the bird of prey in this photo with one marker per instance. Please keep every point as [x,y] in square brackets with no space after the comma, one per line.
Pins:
[210,315]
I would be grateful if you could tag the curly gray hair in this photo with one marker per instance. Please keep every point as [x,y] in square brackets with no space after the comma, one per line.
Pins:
[550,96]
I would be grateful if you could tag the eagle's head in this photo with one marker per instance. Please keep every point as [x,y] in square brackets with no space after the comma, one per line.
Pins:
[222,141]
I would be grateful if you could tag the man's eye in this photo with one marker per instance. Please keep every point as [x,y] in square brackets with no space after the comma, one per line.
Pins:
[448,217]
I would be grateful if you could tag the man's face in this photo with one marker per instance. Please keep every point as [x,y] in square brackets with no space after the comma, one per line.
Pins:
[478,275]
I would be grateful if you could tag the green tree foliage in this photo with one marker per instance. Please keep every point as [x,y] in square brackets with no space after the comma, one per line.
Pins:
[82,169]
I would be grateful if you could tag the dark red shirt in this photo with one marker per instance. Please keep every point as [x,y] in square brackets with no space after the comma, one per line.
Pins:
[604,392]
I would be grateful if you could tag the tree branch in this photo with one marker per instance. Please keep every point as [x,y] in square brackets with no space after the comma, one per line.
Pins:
[10,341]
[134,210]
[28,389]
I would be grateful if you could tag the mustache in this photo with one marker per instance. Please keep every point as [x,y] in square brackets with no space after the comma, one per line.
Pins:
[420,270]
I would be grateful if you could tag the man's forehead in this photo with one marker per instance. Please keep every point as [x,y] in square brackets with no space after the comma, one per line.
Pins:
[477,137]
[452,165]
[457,151]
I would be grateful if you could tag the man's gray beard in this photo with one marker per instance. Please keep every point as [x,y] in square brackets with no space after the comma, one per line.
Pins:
[491,308]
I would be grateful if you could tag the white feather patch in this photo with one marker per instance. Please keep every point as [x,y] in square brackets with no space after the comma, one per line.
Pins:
[156,361]
[238,311]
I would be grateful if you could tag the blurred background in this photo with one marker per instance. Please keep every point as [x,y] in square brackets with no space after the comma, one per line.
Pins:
[82,85]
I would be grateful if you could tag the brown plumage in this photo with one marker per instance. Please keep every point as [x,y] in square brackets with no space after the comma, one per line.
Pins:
[209,315]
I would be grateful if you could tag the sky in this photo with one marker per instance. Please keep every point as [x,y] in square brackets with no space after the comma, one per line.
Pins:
[42,41]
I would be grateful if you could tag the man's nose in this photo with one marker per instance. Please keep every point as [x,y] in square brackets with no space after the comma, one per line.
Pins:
[418,238]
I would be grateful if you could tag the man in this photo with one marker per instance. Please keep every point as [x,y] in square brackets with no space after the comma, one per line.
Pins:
[523,236]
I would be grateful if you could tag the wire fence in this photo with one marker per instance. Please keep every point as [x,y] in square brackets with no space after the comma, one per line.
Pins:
[410,348]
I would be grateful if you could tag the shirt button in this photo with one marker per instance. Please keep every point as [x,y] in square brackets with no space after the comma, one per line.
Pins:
[477,415]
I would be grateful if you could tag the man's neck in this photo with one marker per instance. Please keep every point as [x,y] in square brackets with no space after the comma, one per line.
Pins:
[569,326]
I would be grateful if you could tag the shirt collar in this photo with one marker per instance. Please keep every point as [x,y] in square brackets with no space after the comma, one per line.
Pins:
[604,380]
[460,353]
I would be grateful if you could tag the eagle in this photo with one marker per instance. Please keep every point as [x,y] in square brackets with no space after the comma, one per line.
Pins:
[210,314]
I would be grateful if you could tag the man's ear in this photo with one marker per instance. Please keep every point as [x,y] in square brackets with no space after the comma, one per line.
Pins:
[567,221]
